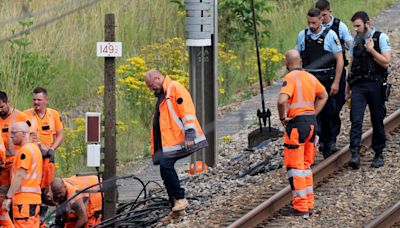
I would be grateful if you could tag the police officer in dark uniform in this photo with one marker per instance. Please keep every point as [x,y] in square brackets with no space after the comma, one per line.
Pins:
[346,40]
[367,85]
[322,56]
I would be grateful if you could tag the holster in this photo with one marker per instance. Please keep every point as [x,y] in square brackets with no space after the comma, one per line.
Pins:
[386,87]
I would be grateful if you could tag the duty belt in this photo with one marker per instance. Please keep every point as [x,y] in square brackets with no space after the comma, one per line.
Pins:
[323,74]
[366,77]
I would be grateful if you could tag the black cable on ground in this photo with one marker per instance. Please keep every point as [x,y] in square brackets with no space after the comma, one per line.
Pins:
[144,211]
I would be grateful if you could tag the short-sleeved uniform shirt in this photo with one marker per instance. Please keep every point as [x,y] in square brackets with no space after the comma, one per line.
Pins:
[384,43]
[29,158]
[331,42]
[302,88]
[5,126]
[47,126]
[344,33]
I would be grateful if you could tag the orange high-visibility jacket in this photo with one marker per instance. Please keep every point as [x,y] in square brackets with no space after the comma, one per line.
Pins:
[177,114]
[5,126]
[93,201]
[45,127]
[29,158]
[2,153]
[302,87]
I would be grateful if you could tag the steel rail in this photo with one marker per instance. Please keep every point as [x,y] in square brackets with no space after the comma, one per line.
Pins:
[387,218]
[322,170]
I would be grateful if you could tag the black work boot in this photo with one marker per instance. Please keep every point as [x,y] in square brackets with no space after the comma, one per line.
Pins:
[355,158]
[378,159]
[326,152]
[333,147]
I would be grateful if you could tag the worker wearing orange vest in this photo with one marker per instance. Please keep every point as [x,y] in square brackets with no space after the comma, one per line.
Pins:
[2,153]
[25,191]
[176,132]
[47,131]
[8,117]
[84,209]
[301,98]
[5,220]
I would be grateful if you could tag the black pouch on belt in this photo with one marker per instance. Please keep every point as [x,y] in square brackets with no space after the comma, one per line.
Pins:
[386,90]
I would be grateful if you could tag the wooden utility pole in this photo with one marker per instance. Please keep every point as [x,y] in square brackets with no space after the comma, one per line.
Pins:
[110,169]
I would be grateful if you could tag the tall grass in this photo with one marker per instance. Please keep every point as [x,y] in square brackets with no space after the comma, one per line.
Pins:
[289,17]
[72,41]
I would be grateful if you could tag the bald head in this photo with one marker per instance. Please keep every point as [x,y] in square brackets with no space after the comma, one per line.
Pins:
[154,80]
[20,133]
[58,190]
[57,183]
[21,126]
[293,59]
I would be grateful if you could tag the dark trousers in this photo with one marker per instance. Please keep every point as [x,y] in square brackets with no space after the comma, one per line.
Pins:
[339,102]
[325,117]
[170,178]
[362,94]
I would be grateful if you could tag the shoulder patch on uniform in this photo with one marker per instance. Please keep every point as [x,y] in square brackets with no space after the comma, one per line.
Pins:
[388,42]
[23,156]
[284,83]
[179,100]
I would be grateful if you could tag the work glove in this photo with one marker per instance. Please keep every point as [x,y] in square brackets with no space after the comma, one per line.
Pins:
[51,155]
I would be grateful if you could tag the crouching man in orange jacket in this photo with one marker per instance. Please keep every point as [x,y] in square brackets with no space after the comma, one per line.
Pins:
[83,210]
[301,98]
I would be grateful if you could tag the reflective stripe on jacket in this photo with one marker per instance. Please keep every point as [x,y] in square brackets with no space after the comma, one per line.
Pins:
[33,176]
[302,88]
[177,114]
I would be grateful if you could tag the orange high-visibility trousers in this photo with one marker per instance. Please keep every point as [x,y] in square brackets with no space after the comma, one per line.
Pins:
[48,173]
[5,220]
[299,152]
[26,215]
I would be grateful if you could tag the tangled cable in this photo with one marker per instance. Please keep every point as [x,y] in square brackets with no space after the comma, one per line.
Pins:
[147,208]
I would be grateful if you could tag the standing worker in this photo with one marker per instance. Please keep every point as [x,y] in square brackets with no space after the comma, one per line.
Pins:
[342,31]
[25,191]
[5,220]
[322,56]
[301,98]
[176,133]
[48,133]
[367,85]
[8,117]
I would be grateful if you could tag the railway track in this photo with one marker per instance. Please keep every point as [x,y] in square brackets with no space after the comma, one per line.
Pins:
[267,213]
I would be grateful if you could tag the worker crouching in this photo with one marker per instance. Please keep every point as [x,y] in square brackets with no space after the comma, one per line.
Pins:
[82,210]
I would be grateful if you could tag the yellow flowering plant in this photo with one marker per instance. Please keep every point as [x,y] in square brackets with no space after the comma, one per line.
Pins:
[271,60]
[170,58]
